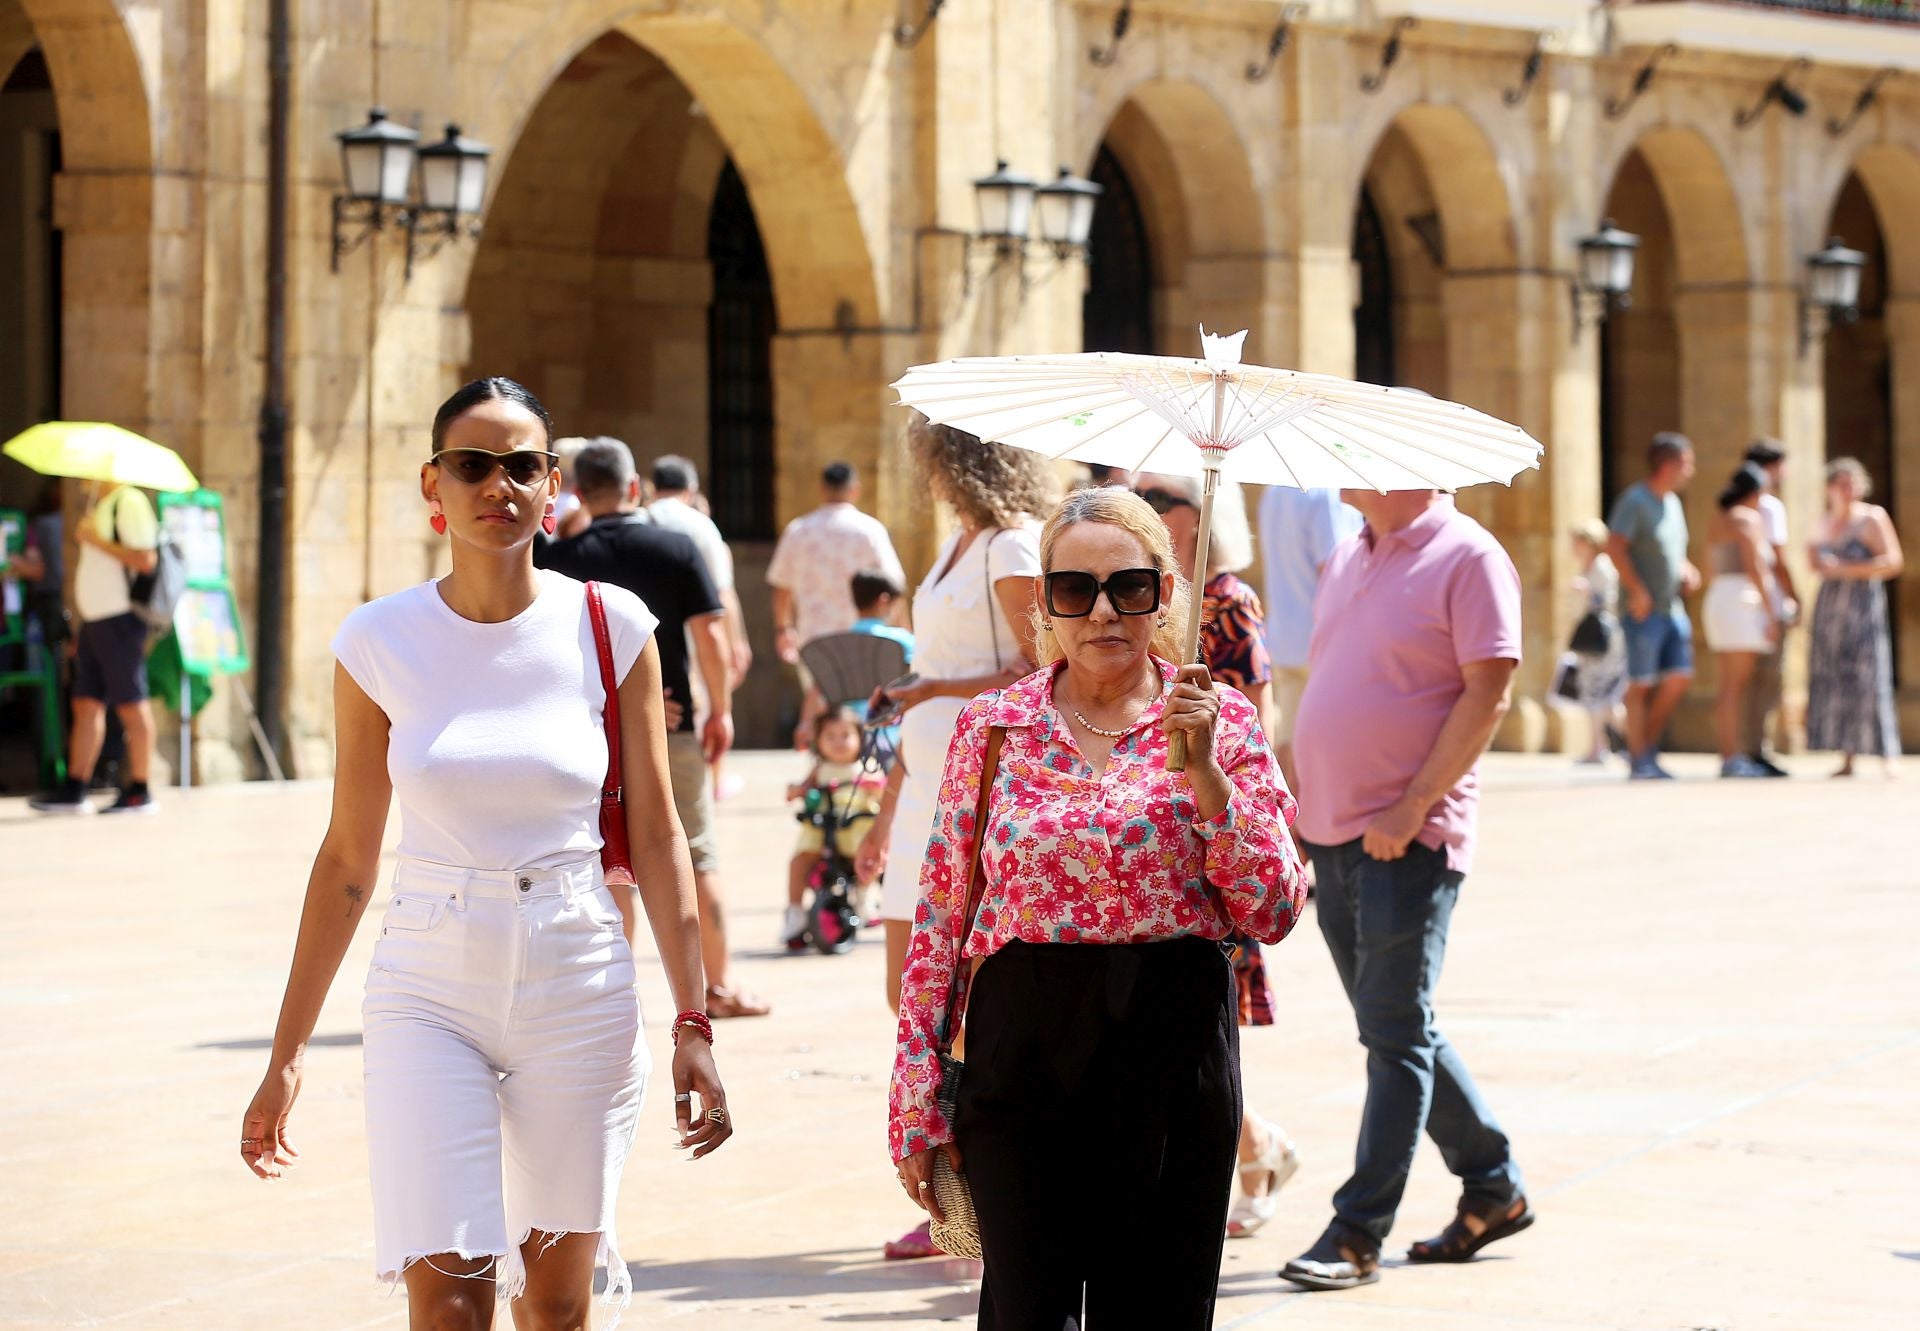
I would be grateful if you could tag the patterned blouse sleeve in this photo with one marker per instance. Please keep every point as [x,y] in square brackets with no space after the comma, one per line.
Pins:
[914,1121]
[1250,859]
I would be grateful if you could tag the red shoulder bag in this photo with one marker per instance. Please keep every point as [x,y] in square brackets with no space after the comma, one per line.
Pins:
[616,861]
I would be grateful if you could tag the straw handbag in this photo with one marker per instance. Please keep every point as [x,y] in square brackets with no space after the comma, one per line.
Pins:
[959,1233]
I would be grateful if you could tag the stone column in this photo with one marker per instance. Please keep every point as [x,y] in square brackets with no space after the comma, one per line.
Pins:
[1903,334]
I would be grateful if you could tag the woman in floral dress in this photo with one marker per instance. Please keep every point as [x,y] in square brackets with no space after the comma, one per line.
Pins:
[1102,1081]
[1850,683]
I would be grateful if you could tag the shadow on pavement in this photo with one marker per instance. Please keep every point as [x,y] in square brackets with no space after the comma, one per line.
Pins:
[345,1040]
[949,1286]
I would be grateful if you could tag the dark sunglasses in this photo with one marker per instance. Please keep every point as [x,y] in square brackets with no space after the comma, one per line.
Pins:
[1163,502]
[1131,591]
[525,467]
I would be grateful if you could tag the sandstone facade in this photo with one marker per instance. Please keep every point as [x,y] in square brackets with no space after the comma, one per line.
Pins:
[616,274]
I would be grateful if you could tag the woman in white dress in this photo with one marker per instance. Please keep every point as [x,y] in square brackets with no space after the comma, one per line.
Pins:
[973,631]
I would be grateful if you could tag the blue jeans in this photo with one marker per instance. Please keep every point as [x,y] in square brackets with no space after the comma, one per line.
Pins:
[1659,645]
[1386,924]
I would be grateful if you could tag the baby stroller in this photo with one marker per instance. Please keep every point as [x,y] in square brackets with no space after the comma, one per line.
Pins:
[846,668]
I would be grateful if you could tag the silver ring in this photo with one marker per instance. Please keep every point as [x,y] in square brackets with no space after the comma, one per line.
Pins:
[683,1099]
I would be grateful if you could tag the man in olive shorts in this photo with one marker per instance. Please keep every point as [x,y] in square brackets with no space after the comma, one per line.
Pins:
[118,540]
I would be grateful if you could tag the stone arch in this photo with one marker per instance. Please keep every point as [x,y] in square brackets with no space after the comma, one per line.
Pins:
[102,200]
[1710,239]
[1205,220]
[791,165]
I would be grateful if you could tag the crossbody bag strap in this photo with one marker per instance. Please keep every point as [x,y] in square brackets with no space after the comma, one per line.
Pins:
[603,643]
[976,887]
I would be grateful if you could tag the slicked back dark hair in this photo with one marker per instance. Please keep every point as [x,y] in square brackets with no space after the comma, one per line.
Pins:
[468,396]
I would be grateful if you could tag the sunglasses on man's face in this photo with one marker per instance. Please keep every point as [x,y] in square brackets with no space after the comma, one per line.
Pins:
[1131,591]
[1163,502]
[525,467]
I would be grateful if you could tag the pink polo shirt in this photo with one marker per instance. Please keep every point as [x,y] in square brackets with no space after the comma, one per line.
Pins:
[1394,621]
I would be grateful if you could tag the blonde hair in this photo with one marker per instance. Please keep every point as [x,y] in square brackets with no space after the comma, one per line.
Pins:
[1230,546]
[1593,531]
[1851,467]
[1130,513]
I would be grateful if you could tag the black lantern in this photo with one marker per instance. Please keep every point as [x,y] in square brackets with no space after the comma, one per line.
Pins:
[453,175]
[1005,200]
[376,160]
[1832,292]
[1066,211]
[1605,277]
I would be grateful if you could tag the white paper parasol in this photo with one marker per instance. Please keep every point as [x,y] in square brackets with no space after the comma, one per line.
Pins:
[1216,416]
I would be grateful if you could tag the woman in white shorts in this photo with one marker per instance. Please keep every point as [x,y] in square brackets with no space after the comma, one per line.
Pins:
[972,631]
[1738,613]
[504,1066]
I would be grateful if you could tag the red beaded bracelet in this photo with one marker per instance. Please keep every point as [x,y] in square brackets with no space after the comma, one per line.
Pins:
[697,1020]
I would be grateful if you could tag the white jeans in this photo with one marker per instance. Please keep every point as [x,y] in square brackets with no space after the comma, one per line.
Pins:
[504,1066]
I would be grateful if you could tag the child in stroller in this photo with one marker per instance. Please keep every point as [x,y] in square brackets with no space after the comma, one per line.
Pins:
[842,790]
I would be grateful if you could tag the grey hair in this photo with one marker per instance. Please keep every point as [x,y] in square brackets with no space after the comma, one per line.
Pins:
[603,466]
[1862,480]
[1230,546]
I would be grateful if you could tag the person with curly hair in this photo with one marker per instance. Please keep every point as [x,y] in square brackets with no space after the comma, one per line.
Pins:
[973,631]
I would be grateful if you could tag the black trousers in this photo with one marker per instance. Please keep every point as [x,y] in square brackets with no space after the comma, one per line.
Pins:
[1099,1120]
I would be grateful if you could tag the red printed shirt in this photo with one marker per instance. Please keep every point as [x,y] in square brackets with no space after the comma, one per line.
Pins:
[1072,856]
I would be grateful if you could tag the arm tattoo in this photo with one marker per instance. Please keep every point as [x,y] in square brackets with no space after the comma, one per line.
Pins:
[354,893]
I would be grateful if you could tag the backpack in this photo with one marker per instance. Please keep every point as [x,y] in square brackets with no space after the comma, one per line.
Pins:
[154,595]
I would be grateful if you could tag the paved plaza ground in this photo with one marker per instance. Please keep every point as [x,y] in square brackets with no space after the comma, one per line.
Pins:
[1696,1006]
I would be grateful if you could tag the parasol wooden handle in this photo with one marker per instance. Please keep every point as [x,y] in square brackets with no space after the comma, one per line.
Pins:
[1177,742]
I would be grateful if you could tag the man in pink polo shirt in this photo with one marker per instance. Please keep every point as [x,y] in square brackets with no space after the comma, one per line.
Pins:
[1415,638]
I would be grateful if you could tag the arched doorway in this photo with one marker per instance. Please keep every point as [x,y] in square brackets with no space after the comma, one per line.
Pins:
[1640,344]
[1117,312]
[1178,233]
[1866,360]
[1373,304]
[30,278]
[739,366]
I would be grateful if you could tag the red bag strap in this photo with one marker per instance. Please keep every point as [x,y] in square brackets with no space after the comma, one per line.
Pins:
[603,641]
[976,888]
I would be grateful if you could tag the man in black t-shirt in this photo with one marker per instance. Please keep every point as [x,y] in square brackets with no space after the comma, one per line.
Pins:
[622,546]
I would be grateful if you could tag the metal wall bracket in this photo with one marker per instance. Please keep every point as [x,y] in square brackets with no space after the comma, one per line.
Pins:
[1277,44]
[1779,91]
[1121,22]
[1841,127]
[1618,106]
[908,35]
[1528,73]
[1389,55]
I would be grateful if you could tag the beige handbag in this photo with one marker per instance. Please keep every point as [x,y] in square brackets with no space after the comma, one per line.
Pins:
[959,1233]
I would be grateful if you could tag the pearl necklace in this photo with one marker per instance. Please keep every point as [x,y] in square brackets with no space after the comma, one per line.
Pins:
[1102,731]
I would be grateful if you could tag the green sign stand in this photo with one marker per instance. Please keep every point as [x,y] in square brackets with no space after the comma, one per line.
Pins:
[206,622]
[39,671]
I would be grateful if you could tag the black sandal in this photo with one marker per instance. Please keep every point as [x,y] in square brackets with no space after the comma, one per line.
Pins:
[1458,1243]
[1341,1258]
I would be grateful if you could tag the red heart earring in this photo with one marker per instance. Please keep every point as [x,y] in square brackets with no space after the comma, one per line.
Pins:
[438,521]
[548,522]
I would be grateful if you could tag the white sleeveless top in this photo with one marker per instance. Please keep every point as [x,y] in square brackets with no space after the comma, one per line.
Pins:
[497,746]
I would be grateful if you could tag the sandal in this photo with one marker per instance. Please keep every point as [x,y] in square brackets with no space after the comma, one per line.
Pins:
[1341,1258]
[1278,1163]
[912,1245]
[725,1003]
[1458,1242]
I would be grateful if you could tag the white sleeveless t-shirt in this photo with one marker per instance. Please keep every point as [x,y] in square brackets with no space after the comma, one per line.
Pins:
[498,745]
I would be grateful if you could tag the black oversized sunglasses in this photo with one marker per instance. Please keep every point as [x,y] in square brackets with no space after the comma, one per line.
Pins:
[1163,502]
[1131,591]
[525,467]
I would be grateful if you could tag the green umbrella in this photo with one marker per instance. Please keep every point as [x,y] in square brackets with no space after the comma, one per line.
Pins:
[93,451]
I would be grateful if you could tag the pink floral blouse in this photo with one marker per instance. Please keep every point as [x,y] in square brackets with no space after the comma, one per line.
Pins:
[1075,857]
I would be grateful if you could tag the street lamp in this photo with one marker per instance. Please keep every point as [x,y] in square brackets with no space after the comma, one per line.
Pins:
[453,185]
[1005,202]
[1066,212]
[376,161]
[1832,292]
[1605,278]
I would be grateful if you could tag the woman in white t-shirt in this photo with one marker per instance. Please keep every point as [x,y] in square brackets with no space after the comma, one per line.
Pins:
[972,631]
[504,1068]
